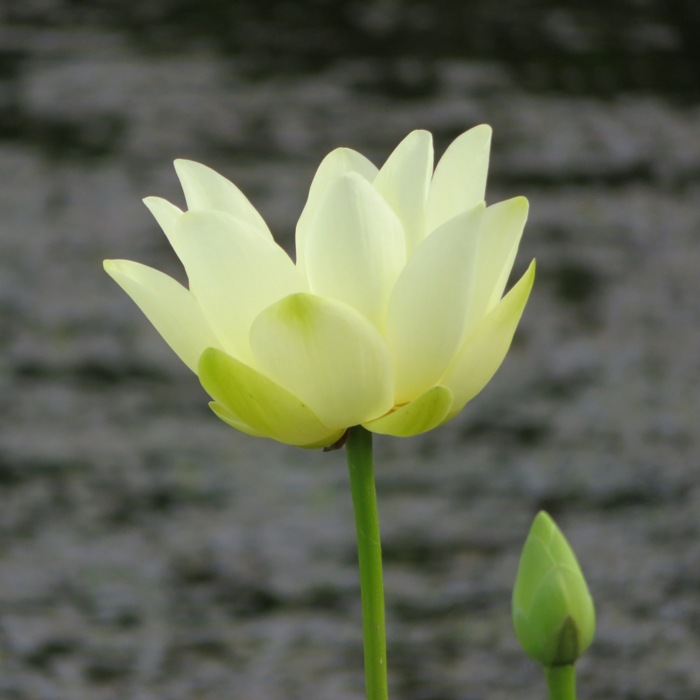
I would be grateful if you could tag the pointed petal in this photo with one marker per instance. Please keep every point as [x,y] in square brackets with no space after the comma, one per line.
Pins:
[460,177]
[252,402]
[165,213]
[427,309]
[168,306]
[425,413]
[404,180]
[500,234]
[355,248]
[328,355]
[233,272]
[338,162]
[484,350]
[204,188]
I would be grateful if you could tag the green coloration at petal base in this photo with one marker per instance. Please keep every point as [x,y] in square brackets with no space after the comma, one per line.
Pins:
[327,354]
[425,413]
[259,404]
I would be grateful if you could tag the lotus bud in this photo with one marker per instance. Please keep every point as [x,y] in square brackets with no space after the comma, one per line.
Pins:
[553,612]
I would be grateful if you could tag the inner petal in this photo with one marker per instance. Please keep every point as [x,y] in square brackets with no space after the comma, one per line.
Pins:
[404,180]
[428,307]
[459,182]
[355,248]
[338,162]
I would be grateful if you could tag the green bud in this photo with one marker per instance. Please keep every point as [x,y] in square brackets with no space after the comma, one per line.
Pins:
[553,612]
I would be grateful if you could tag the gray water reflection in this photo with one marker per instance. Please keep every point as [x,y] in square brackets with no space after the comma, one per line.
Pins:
[147,550]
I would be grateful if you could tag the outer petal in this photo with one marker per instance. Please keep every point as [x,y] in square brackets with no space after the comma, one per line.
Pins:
[233,273]
[404,180]
[221,412]
[460,177]
[499,238]
[355,248]
[427,310]
[328,355]
[251,400]
[338,162]
[483,351]
[425,413]
[168,306]
[205,189]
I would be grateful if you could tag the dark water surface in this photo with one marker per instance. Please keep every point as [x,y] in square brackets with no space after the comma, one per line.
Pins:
[146,550]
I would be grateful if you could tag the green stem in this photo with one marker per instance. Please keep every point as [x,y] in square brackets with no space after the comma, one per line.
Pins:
[561,682]
[369,551]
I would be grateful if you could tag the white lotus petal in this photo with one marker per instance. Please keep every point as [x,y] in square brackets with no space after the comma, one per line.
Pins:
[165,213]
[204,188]
[168,306]
[251,400]
[404,180]
[483,351]
[338,162]
[501,230]
[428,308]
[460,177]
[355,247]
[425,413]
[234,273]
[328,355]
[498,239]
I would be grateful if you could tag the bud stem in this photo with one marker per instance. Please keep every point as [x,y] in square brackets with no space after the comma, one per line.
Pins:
[561,682]
[369,550]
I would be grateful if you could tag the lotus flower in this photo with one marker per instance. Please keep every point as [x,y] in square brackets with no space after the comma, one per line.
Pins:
[391,318]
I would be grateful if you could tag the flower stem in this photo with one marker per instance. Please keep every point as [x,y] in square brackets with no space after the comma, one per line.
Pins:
[561,682]
[369,550]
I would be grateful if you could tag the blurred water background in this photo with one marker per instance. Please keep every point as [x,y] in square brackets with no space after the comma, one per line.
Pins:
[149,552]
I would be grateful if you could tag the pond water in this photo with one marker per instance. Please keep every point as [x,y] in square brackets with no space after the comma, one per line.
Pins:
[146,550]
